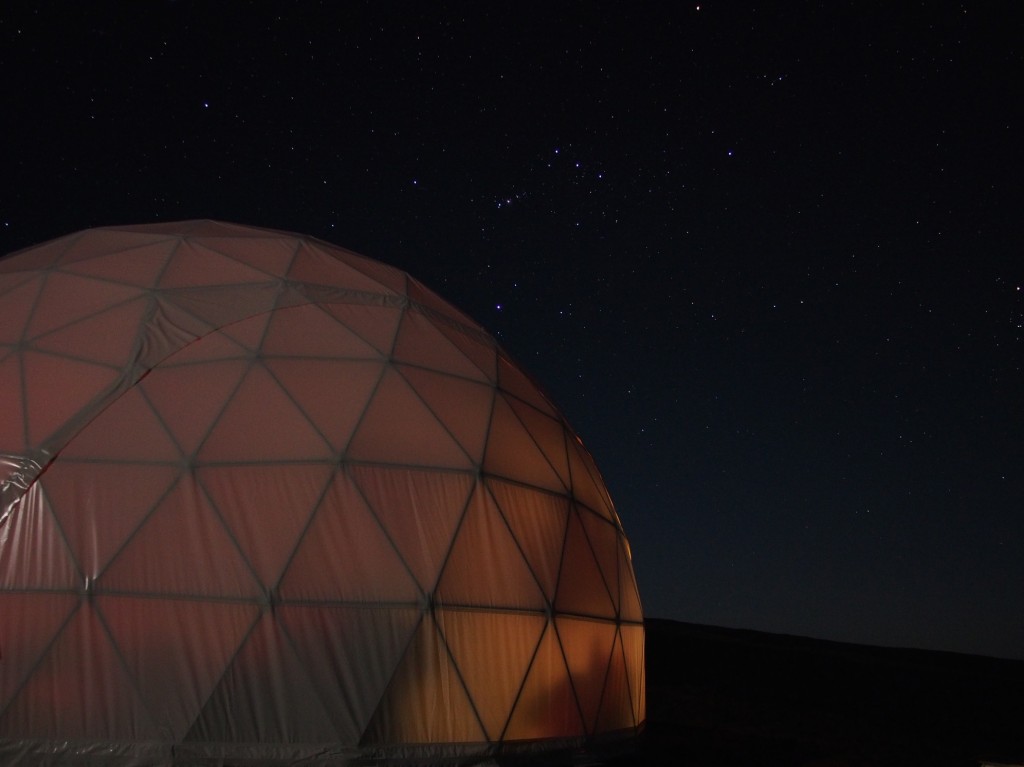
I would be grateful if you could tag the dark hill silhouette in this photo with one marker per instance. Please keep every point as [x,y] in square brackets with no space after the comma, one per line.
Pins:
[721,697]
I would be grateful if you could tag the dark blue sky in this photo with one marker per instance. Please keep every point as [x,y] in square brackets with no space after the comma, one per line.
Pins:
[766,259]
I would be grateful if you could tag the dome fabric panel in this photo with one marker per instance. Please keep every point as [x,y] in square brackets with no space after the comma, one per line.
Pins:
[508,583]
[474,638]
[176,645]
[116,325]
[13,440]
[266,500]
[49,566]
[18,294]
[88,498]
[41,617]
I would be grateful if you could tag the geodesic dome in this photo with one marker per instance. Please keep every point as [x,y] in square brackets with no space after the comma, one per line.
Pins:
[266,500]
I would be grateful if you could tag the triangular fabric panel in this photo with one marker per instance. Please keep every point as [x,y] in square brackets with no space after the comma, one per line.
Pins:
[266,507]
[31,623]
[587,485]
[260,702]
[10,283]
[538,523]
[581,589]
[13,428]
[476,639]
[484,355]
[317,385]
[135,266]
[212,347]
[33,554]
[257,409]
[345,555]
[126,430]
[420,343]
[248,333]
[79,690]
[268,254]
[313,265]
[375,324]
[48,411]
[546,707]
[42,256]
[170,331]
[217,306]
[95,243]
[587,646]
[16,308]
[176,650]
[355,650]
[388,276]
[630,609]
[514,381]
[485,567]
[190,398]
[426,700]
[617,707]
[212,565]
[399,428]
[549,434]
[462,406]
[512,451]
[633,652]
[193,265]
[108,337]
[175,316]
[99,505]
[419,510]
[309,331]
[604,542]
[66,298]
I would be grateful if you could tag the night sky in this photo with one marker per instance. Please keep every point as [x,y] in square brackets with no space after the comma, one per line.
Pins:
[767,259]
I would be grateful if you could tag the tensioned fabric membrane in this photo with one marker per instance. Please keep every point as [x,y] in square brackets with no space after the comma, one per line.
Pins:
[267,501]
